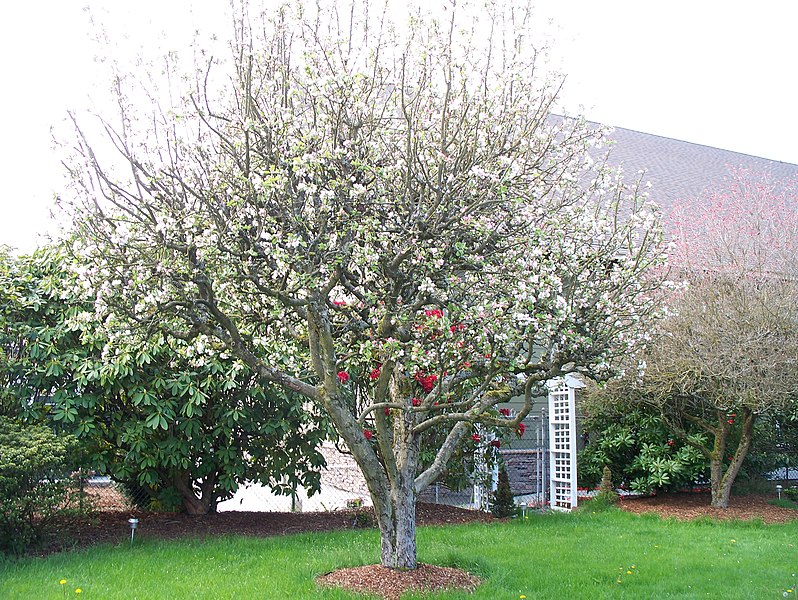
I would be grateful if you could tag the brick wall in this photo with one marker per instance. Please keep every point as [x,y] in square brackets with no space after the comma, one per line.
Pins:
[342,471]
[523,471]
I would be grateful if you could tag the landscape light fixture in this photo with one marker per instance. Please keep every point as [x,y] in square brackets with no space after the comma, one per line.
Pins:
[778,490]
[133,524]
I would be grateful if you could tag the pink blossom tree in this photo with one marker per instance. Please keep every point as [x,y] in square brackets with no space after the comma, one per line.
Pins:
[728,353]
[385,220]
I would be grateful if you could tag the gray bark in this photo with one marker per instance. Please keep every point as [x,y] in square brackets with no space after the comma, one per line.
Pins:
[721,482]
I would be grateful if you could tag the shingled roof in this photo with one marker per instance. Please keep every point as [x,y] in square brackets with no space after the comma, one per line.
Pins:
[681,170]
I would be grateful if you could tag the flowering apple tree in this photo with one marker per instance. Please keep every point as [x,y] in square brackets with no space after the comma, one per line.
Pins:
[384,219]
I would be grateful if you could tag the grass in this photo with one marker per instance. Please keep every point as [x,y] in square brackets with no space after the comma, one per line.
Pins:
[607,554]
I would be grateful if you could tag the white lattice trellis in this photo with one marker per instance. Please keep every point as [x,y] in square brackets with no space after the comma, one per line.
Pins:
[562,442]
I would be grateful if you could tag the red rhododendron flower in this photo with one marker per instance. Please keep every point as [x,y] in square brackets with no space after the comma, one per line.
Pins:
[731,421]
[505,412]
[427,382]
[476,437]
[520,429]
[375,374]
[496,443]
[367,434]
[343,376]
[387,411]
[670,442]
[434,312]
[415,402]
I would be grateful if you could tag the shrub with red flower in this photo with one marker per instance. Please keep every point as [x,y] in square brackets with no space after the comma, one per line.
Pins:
[427,382]
[519,431]
[496,443]
[415,402]
[476,438]
[375,374]
[436,313]
[505,412]
[368,434]
[343,376]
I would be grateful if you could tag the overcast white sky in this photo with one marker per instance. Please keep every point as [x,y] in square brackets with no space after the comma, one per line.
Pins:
[715,72]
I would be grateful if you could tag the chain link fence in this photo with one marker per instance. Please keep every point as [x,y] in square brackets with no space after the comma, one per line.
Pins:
[343,486]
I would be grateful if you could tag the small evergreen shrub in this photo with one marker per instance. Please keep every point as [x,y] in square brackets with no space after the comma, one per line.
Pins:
[791,493]
[35,464]
[607,494]
[503,504]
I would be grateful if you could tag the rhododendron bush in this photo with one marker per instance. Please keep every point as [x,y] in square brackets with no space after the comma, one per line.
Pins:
[183,423]
[381,216]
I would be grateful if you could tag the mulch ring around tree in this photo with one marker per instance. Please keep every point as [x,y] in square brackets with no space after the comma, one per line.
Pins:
[390,584]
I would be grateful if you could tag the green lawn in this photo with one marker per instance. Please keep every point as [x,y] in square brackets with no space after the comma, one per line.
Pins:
[583,555]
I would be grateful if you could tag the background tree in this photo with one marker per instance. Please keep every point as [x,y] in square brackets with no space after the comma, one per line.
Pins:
[383,219]
[186,422]
[728,353]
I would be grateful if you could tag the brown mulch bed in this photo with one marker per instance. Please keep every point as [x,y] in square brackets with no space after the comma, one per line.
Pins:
[685,506]
[113,527]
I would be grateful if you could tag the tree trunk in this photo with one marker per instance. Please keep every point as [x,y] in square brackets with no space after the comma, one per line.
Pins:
[192,503]
[722,482]
[397,522]
[398,537]
[194,506]
[721,486]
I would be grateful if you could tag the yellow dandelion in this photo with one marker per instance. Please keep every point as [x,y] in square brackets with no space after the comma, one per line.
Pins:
[734,541]
[628,572]
[78,591]
[522,596]
[62,582]
[618,580]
